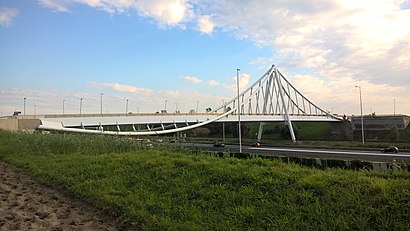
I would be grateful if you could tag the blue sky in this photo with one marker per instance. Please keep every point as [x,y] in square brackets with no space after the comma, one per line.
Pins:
[188,51]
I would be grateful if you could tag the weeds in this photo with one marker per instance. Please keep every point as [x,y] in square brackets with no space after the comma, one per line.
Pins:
[168,189]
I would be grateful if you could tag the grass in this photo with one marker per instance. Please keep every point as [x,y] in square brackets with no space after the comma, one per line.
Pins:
[167,189]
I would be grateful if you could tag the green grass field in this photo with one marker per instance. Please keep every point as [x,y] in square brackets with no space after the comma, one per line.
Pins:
[170,189]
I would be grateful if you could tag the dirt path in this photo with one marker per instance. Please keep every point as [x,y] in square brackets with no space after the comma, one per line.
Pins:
[28,205]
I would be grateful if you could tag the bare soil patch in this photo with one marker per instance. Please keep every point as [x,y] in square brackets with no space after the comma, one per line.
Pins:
[28,205]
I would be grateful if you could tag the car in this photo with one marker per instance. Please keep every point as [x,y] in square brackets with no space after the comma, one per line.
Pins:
[256,144]
[390,149]
[219,145]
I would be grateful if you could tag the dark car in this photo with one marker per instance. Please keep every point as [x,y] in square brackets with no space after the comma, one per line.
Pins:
[219,145]
[390,149]
[256,144]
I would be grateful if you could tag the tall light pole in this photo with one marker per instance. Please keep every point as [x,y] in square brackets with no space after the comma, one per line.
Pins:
[63,106]
[24,106]
[101,103]
[176,107]
[223,123]
[238,110]
[394,107]
[35,112]
[81,104]
[126,107]
[197,103]
[361,112]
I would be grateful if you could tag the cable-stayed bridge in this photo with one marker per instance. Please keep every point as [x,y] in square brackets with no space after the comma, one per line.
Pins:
[271,98]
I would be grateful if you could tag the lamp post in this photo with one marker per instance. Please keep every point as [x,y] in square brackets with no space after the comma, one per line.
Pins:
[63,106]
[35,111]
[24,105]
[197,103]
[361,112]
[223,123]
[238,110]
[394,107]
[101,103]
[176,107]
[126,107]
[81,104]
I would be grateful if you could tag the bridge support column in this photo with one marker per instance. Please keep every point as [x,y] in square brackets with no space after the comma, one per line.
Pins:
[287,119]
[258,139]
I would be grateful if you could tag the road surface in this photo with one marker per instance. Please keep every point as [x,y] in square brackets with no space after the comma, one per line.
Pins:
[313,152]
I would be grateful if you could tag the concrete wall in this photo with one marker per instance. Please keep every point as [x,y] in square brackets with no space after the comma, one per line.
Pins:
[9,124]
[380,123]
[17,124]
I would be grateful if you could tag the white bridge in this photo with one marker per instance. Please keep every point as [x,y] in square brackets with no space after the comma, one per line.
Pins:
[271,98]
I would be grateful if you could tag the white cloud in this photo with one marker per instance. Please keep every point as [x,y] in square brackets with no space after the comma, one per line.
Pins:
[192,79]
[62,5]
[205,24]
[166,12]
[7,15]
[122,88]
[213,83]
[342,96]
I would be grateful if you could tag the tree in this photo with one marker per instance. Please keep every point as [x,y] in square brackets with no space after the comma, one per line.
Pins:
[245,129]
[285,133]
[202,132]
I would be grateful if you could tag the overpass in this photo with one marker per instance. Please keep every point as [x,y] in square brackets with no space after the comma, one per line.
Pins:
[271,98]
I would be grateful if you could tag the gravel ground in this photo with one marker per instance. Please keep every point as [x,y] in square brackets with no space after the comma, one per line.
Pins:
[28,205]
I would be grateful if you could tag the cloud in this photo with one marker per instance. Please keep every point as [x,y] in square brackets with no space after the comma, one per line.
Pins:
[326,34]
[244,80]
[342,96]
[61,6]
[213,83]
[7,15]
[192,79]
[205,24]
[122,88]
[165,12]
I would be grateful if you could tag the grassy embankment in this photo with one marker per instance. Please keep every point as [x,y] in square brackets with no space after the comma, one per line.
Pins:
[170,189]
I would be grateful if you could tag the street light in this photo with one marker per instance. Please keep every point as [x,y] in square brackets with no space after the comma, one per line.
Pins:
[126,107]
[35,107]
[223,123]
[101,103]
[394,106]
[176,107]
[81,104]
[361,112]
[63,106]
[238,110]
[25,105]
[197,103]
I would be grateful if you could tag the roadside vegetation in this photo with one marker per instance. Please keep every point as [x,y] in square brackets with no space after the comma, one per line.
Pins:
[166,188]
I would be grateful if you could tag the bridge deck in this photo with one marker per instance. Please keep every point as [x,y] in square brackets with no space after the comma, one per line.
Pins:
[143,119]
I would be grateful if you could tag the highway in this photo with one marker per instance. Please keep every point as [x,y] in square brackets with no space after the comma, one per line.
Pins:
[313,152]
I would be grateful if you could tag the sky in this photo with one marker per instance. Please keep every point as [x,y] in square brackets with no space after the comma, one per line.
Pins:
[181,54]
